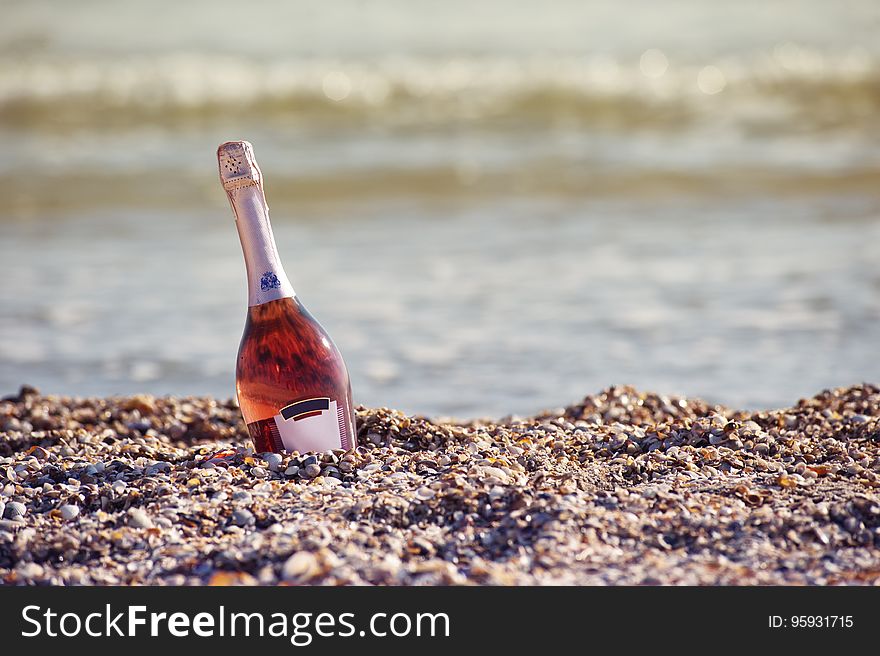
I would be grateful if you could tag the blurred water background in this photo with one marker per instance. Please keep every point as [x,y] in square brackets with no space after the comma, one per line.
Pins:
[492,207]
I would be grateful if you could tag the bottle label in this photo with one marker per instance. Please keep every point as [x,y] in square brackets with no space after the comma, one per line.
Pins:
[312,425]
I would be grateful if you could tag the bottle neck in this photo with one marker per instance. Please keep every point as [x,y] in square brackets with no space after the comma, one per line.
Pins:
[266,278]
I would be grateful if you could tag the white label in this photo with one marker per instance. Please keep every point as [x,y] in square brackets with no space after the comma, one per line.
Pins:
[312,425]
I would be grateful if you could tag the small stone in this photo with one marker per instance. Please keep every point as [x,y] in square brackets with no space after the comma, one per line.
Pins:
[852,524]
[310,460]
[27,390]
[293,470]
[69,512]
[425,493]
[273,460]
[300,567]
[419,545]
[142,403]
[176,431]
[311,471]
[118,487]
[157,468]
[786,481]
[10,424]
[29,571]
[243,517]
[243,496]
[15,510]
[137,518]
[495,472]
[331,471]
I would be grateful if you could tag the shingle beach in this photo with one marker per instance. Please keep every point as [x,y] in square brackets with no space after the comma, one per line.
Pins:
[624,487]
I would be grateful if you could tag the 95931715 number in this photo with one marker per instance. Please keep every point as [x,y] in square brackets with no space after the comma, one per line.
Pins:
[810,622]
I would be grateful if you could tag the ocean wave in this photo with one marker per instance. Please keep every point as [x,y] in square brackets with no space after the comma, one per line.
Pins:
[365,192]
[787,86]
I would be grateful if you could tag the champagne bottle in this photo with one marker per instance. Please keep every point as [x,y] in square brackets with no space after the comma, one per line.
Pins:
[292,385]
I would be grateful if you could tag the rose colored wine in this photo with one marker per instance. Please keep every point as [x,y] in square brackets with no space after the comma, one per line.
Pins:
[291,381]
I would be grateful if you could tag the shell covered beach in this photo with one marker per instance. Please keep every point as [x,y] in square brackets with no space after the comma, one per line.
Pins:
[624,487]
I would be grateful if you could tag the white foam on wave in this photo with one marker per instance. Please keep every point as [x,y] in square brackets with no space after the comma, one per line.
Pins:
[459,85]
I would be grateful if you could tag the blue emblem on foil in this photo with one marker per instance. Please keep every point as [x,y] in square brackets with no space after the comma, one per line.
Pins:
[269,281]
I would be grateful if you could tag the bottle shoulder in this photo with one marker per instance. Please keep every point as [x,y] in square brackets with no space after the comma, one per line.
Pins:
[282,337]
[283,314]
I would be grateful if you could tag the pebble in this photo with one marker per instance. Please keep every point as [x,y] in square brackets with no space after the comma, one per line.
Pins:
[495,472]
[332,471]
[425,493]
[300,567]
[29,570]
[138,518]
[273,460]
[243,517]
[311,471]
[15,510]
[142,403]
[68,512]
